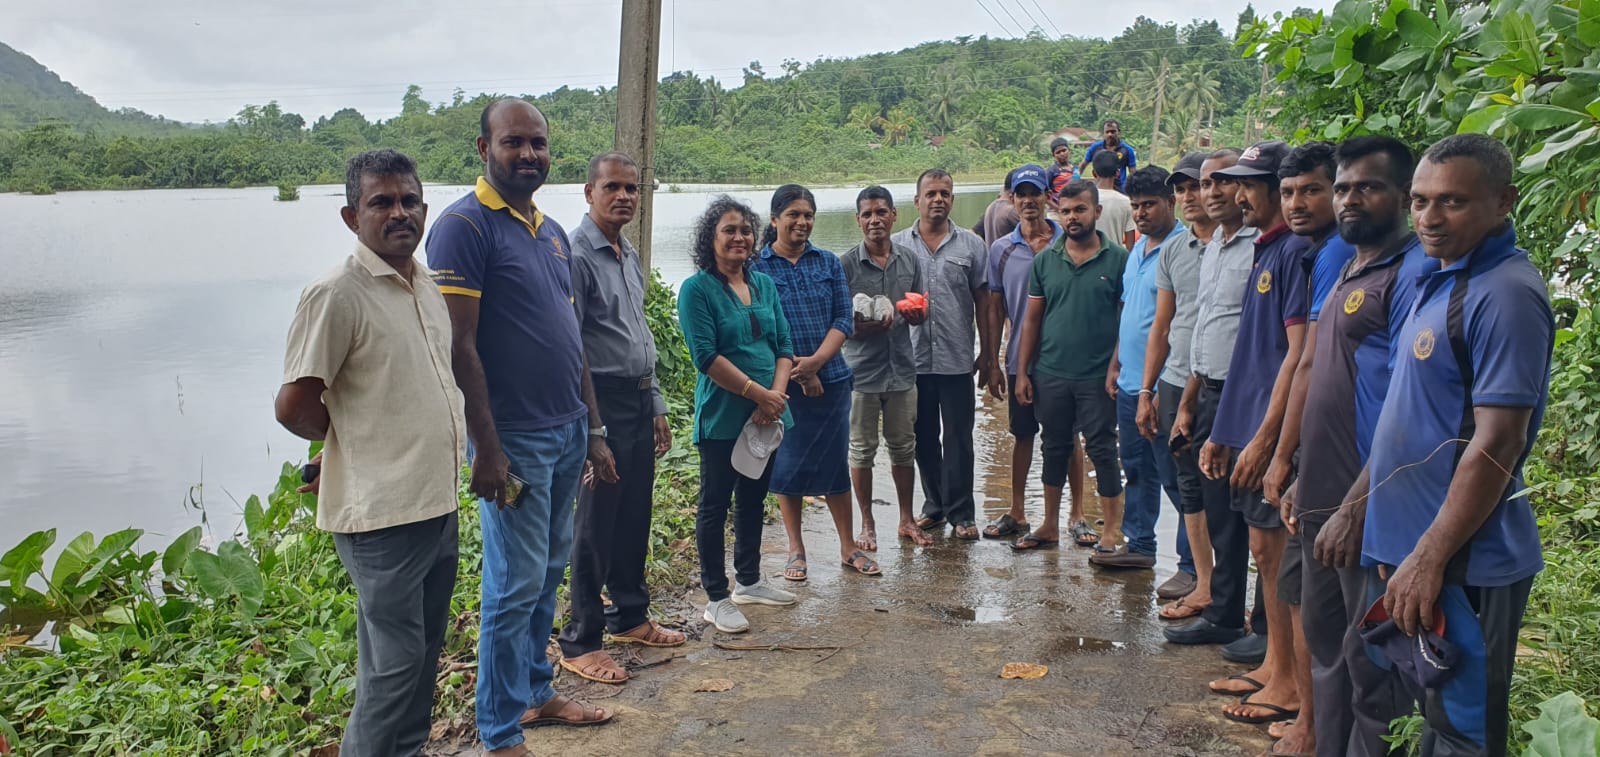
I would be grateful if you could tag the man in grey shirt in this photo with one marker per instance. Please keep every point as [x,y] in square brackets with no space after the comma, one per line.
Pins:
[611,529]
[879,354]
[952,261]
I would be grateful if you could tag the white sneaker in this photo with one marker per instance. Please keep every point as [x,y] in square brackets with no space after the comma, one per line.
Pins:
[761,593]
[726,617]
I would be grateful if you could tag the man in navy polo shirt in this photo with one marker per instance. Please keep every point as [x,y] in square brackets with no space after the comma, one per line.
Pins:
[1010,261]
[1111,141]
[1250,412]
[1446,528]
[531,414]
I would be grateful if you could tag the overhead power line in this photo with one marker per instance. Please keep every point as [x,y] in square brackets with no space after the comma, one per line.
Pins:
[1048,19]
[1003,28]
[1031,19]
[1014,20]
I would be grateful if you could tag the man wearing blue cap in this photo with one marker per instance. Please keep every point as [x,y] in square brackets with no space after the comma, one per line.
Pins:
[1010,260]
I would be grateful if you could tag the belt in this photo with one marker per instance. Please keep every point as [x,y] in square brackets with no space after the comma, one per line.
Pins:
[1210,383]
[620,384]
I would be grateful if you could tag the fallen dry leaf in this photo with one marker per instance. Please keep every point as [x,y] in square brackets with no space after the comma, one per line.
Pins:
[1023,671]
[714,684]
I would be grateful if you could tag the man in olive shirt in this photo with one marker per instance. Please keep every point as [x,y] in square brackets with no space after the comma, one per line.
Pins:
[1069,339]
[368,371]
[879,354]
[611,528]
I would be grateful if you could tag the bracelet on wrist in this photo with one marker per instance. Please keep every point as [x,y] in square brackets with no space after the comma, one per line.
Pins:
[746,390]
[1147,391]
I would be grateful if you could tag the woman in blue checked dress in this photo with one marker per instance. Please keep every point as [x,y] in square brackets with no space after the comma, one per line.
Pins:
[816,302]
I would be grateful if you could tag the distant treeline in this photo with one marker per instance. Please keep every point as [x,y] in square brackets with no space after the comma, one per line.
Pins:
[971,104]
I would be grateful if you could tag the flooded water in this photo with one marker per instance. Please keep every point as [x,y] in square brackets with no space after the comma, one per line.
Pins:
[141,339]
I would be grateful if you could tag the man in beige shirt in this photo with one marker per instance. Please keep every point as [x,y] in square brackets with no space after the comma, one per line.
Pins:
[368,372]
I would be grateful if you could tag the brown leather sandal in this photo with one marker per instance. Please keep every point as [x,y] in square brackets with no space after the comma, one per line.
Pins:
[650,634]
[588,714]
[600,668]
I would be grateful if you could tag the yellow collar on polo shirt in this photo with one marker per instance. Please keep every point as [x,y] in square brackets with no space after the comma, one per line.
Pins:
[491,199]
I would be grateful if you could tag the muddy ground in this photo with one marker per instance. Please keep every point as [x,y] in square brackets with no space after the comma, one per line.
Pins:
[908,663]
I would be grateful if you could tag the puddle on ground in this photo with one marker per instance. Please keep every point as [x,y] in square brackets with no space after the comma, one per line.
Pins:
[1005,574]
[1076,644]
[979,614]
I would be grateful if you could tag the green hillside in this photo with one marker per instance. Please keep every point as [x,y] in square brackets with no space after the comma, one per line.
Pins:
[968,105]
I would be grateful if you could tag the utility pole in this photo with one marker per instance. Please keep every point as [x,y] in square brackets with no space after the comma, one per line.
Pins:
[638,70]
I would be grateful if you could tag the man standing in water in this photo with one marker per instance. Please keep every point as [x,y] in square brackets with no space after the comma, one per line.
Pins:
[952,261]
[389,412]
[612,527]
[531,415]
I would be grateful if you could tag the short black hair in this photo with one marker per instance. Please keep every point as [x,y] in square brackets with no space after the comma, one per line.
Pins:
[1110,122]
[1490,153]
[1224,152]
[933,173]
[494,105]
[375,163]
[1080,186]
[615,156]
[1106,164]
[1010,176]
[1307,158]
[1402,162]
[705,232]
[1150,181]
[875,192]
[782,198]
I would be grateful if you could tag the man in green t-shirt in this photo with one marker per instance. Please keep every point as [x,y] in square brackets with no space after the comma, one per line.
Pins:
[1068,345]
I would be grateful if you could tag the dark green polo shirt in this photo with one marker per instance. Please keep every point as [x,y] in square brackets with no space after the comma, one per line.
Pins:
[1079,332]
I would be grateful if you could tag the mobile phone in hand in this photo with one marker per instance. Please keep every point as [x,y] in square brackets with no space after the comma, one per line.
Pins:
[514,488]
[1178,443]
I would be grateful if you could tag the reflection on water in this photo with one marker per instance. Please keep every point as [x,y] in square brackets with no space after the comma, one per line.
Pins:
[141,339]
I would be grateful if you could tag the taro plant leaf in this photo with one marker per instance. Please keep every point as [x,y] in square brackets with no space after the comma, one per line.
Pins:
[177,553]
[111,548]
[1563,729]
[254,519]
[72,559]
[27,558]
[228,573]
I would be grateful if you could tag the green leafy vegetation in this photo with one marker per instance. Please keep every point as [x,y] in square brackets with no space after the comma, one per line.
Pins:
[249,647]
[970,105]
[1529,74]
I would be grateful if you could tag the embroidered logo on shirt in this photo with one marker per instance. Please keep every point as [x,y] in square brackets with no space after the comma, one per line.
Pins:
[1423,346]
[1264,284]
[1353,302]
[559,253]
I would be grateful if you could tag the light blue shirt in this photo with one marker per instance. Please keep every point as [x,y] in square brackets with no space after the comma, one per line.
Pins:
[1138,309]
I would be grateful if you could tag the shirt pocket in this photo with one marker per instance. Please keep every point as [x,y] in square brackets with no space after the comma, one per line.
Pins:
[957,272]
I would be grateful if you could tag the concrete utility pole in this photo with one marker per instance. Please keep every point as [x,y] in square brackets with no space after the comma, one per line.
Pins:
[637,74]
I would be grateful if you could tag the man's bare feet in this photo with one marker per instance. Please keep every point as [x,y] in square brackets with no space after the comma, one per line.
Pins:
[564,710]
[868,538]
[909,530]
[1293,738]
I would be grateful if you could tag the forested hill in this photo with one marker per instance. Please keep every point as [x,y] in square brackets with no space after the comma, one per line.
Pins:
[968,104]
[31,94]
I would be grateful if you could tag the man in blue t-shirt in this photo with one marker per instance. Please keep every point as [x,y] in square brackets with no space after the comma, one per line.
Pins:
[1448,532]
[531,414]
[1250,414]
[1111,141]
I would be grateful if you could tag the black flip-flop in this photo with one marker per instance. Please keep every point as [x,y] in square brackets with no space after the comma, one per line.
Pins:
[1083,535]
[1005,527]
[1241,677]
[1033,541]
[969,527]
[1278,713]
[869,569]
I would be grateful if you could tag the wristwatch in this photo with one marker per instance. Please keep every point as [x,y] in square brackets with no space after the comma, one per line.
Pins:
[600,432]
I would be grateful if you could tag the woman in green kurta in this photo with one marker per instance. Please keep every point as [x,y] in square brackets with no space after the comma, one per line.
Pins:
[739,341]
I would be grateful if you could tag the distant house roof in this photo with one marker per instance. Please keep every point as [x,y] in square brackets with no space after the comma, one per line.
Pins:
[1077,136]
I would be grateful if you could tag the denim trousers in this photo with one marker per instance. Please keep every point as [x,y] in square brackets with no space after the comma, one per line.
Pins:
[1142,501]
[525,550]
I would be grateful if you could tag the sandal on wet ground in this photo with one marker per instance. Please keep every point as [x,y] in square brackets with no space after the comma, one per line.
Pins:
[596,666]
[1181,610]
[1032,540]
[860,563]
[1083,535]
[795,569]
[1005,527]
[966,531]
[928,524]
[587,714]
[1274,713]
[650,634]
[1236,692]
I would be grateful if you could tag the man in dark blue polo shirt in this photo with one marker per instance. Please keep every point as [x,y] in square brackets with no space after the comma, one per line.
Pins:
[531,417]
[1250,412]
[1111,141]
[1447,530]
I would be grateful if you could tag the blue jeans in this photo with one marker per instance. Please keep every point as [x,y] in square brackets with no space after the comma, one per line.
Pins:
[1142,503]
[525,550]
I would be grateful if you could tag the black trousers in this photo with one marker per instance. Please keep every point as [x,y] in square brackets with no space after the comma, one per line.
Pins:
[404,576]
[1066,408]
[1230,537]
[722,489]
[611,528]
[1330,602]
[944,461]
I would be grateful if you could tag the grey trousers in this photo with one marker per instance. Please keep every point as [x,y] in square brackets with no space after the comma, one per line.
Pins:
[1330,603]
[404,576]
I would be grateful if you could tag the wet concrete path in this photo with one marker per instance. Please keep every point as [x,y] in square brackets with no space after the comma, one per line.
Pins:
[908,663]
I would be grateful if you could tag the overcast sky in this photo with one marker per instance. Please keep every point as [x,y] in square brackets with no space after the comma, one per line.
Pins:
[196,60]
